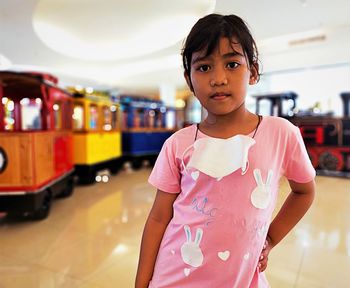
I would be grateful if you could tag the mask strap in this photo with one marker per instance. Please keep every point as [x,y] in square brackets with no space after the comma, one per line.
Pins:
[257,126]
[188,148]
[195,136]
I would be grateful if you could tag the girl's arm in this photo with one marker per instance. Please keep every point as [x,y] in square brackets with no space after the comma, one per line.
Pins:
[293,209]
[158,219]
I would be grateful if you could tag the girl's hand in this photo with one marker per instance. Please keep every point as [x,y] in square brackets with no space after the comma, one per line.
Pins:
[264,255]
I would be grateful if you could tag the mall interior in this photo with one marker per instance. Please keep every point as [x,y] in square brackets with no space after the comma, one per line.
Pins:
[90,91]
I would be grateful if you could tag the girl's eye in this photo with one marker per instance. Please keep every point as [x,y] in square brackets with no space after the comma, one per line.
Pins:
[232,65]
[204,68]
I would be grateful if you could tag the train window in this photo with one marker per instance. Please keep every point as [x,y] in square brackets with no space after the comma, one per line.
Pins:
[162,117]
[125,123]
[78,117]
[193,110]
[93,119]
[158,119]
[66,115]
[138,118]
[170,119]
[107,118]
[9,117]
[150,119]
[114,112]
[180,118]
[30,112]
[57,112]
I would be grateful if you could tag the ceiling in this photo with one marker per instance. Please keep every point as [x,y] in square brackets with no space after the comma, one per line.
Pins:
[134,46]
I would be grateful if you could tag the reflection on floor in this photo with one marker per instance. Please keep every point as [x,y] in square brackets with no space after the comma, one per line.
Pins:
[91,240]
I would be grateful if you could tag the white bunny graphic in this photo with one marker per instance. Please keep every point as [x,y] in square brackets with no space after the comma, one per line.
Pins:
[261,196]
[190,251]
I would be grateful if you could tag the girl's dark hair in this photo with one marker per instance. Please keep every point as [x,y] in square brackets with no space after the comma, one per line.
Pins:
[206,34]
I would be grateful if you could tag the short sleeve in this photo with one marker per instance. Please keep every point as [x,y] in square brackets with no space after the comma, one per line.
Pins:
[166,174]
[298,166]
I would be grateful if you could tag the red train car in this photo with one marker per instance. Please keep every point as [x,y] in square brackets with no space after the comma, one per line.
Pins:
[36,143]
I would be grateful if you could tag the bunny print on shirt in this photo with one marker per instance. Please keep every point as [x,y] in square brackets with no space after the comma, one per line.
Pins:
[190,251]
[261,195]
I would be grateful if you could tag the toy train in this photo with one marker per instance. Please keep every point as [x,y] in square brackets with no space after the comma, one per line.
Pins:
[327,138]
[49,135]
[146,125]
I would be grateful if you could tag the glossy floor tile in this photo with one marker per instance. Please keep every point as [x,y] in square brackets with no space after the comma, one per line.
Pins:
[91,240]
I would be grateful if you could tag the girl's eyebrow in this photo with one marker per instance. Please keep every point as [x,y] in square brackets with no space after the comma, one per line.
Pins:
[232,54]
[227,55]
[199,59]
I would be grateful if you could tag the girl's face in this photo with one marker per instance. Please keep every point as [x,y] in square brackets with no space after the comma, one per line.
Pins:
[220,80]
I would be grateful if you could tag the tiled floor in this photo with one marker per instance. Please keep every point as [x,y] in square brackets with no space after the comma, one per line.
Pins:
[91,240]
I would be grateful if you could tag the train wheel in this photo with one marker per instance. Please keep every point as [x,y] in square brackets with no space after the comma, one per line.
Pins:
[68,190]
[44,210]
[331,160]
[15,215]
[114,170]
[115,167]
[136,163]
[152,160]
[88,178]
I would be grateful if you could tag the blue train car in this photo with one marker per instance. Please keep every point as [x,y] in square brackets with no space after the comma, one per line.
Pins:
[146,124]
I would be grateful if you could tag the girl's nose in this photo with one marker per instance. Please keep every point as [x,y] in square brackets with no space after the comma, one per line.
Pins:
[218,83]
[219,78]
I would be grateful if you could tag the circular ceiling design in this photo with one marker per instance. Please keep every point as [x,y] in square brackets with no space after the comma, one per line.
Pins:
[112,30]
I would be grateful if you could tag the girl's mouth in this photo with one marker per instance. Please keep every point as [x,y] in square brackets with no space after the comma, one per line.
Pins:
[219,96]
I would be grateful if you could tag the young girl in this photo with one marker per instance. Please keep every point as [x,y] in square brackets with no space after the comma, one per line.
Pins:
[210,224]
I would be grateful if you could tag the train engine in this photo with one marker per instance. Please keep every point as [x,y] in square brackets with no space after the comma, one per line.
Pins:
[327,138]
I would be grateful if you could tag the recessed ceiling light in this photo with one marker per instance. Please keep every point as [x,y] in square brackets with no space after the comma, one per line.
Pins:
[115,30]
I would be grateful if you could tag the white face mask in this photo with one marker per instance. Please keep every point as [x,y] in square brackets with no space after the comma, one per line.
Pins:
[220,157]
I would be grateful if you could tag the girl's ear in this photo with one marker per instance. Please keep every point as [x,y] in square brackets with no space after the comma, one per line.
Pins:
[254,74]
[188,81]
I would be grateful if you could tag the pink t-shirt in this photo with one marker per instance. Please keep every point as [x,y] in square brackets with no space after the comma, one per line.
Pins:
[216,234]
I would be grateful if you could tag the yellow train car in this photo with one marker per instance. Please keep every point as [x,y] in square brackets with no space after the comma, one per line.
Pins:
[97,135]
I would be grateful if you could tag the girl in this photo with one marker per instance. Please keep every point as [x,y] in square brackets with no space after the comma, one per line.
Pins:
[210,224]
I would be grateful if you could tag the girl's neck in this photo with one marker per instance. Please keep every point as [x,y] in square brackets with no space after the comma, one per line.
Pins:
[225,126]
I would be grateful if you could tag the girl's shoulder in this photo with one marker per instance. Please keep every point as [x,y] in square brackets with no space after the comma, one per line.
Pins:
[184,134]
[180,140]
[278,124]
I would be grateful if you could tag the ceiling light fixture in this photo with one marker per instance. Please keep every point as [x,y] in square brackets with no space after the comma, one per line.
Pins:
[114,31]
